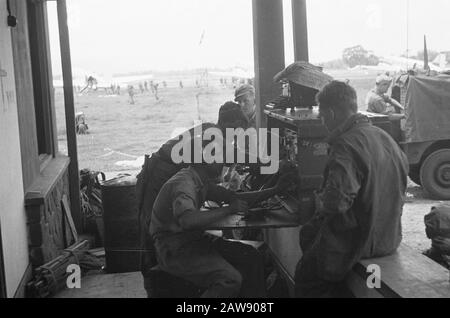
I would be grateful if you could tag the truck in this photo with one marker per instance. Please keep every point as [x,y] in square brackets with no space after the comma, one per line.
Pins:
[426,138]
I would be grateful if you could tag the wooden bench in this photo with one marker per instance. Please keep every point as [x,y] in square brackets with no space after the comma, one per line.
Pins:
[405,274]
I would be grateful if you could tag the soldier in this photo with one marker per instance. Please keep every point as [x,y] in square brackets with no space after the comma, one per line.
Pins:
[359,208]
[160,167]
[155,90]
[245,96]
[131,94]
[377,101]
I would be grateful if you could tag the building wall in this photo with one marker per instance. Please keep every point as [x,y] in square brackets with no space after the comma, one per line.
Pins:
[12,211]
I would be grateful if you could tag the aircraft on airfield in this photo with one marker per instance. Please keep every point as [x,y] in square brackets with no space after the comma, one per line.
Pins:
[403,64]
[238,73]
[87,80]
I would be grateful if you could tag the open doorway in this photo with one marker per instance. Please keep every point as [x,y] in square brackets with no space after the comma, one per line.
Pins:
[144,71]
[2,269]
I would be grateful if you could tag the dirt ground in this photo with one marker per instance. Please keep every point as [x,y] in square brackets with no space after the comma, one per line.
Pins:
[416,207]
[120,133]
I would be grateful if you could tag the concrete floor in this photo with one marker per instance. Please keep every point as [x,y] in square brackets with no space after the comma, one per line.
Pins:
[130,285]
[124,285]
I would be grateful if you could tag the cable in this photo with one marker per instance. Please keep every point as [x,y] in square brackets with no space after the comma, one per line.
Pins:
[12,20]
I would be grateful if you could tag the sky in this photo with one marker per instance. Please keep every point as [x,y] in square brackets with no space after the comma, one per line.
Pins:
[118,36]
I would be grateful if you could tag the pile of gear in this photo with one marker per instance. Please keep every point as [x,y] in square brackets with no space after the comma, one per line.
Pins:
[50,278]
[437,227]
[91,202]
[80,124]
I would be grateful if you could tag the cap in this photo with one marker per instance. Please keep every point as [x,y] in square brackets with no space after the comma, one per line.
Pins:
[383,79]
[231,115]
[243,90]
[305,74]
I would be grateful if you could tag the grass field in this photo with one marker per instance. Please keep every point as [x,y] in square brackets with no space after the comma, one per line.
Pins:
[119,131]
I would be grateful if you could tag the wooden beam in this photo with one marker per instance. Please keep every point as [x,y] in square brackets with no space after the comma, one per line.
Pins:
[268,43]
[24,93]
[300,26]
[3,293]
[42,77]
[73,230]
[74,177]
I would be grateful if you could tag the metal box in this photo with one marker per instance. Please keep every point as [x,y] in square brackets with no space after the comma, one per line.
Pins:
[121,221]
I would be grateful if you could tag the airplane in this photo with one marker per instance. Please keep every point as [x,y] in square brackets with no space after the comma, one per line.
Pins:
[408,63]
[237,72]
[399,63]
[88,80]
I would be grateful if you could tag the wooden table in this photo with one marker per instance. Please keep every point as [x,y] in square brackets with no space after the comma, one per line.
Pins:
[278,218]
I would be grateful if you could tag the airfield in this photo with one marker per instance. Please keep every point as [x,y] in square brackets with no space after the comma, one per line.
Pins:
[120,133]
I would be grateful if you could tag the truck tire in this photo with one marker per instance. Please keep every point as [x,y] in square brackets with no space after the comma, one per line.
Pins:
[435,175]
[414,174]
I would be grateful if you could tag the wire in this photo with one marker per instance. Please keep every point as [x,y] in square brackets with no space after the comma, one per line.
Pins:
[407,34]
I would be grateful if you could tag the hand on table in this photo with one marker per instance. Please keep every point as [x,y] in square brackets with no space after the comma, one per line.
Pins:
[237,206]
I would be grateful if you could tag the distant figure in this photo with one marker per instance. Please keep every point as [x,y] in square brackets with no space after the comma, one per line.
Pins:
[91,83]
[152,87]
[377,101]
[155,89]
[146,86]
[80,124]
[246,98]
[141,87]
[131,94]
[181,84]
[113,89]
[118,89]
[164,84]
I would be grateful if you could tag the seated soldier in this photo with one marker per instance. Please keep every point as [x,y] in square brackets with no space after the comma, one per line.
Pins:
[360,205]
[160,167]
[377,101]
[223,268]
[246,98]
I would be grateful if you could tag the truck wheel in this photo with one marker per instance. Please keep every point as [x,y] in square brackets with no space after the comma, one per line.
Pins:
[414,174]
[435,174]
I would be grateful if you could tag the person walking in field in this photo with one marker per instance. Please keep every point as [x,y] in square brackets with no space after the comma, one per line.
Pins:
[131,94]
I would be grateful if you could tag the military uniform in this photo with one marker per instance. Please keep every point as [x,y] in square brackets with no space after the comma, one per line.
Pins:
[156,170]
[361,206]
[223,268]
[380,104]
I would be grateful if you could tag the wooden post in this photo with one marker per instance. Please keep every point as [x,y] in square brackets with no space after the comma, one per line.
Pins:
[268,43]
[300,25]
[74,177]
[3,293]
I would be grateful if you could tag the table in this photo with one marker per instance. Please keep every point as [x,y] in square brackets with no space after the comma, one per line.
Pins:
[277,218]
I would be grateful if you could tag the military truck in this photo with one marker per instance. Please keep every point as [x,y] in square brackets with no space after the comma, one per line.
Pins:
[426,139]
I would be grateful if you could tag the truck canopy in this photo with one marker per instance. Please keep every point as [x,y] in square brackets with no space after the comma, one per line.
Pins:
[427,108]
